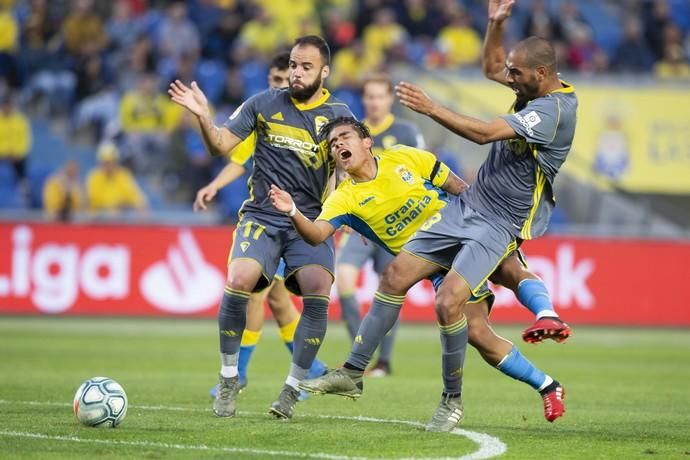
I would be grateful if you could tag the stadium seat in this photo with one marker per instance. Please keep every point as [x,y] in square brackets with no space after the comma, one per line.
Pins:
[8,177]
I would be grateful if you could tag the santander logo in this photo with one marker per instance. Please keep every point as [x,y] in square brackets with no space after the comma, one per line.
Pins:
[184,282]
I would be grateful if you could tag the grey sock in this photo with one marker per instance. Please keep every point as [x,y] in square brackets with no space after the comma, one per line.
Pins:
[349,308]
[310,330]
[386,348]
[232,317]
[376,324]
[453,346]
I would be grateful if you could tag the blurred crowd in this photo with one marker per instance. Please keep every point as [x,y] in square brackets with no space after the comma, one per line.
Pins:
[103,66]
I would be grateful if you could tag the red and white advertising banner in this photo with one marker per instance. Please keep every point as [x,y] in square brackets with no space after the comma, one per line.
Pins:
[161,270]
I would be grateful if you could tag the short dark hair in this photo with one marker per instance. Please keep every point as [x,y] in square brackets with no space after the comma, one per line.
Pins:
[538,52]
[280,61]
[317,42]
[358,126]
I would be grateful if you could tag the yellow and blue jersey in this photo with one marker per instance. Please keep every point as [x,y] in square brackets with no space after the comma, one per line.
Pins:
[392,206]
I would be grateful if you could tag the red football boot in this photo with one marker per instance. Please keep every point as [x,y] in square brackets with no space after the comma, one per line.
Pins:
[553,397]
[546,328]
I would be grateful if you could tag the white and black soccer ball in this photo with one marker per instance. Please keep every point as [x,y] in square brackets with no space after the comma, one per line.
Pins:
[100,401]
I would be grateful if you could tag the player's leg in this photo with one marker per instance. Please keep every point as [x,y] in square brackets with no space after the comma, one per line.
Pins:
[253,260]
[382,367]
[451,296]
[309,272]
[532,293]
[504,356]
[483,246]
[287,317]
[251,334]
[352,255]
[401,274]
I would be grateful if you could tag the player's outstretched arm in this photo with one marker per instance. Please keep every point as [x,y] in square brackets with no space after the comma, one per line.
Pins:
[313,233]
[218,140]
[227,175]
[493,53]
[478,131]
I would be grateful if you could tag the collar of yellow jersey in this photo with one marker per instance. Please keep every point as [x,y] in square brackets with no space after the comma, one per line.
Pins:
[302,106]
[384,125]
[567,88]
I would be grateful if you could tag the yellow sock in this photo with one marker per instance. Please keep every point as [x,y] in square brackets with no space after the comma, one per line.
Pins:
[287,332]
[250,338]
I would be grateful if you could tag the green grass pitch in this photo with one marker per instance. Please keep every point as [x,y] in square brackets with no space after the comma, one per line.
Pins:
[627,396]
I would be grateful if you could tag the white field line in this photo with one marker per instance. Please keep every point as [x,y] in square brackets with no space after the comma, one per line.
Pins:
[489,446]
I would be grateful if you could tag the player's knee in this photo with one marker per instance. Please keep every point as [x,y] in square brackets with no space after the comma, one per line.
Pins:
[240,281]
[447,309]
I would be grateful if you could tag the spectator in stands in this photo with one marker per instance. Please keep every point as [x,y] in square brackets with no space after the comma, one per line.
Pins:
[583,54]
[62,193]
[141,59]
[147,117]
[110,188]
[83,31]
[262,34]
[9,45]
[351,64]
[420,18]
[460,44]
[570,22]
[633,53]
[657,15]
[15,135]
[541,23]
[383,35]
[674,66]
[97,99]
[177,34]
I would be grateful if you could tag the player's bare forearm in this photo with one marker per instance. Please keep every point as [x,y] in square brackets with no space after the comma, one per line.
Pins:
[218,140]
[478,131]
[229,174]
[313,233]
[454,185]
[493,52]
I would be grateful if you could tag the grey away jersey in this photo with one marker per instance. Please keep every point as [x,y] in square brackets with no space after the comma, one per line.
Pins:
[515,182]
[395,131]
[287,151]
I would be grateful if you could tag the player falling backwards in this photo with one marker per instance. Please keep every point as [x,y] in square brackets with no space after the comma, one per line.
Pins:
[386,130]
[284,311]
[511,200]
[287,153]
[388,198]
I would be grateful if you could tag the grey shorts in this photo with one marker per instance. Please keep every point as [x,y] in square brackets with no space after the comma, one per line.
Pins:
[461,239]
[353,251]
[256,239]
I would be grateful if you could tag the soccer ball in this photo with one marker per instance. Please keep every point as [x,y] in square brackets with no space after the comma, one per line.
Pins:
[100,401]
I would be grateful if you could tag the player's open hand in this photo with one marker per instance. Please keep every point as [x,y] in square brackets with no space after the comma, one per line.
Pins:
[203,196]
[280,199]
[413,97]
[193,99]
[499,10]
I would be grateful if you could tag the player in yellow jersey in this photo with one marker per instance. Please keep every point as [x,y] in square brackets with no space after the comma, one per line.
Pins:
[388,198]
[353,252]
[278,297]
